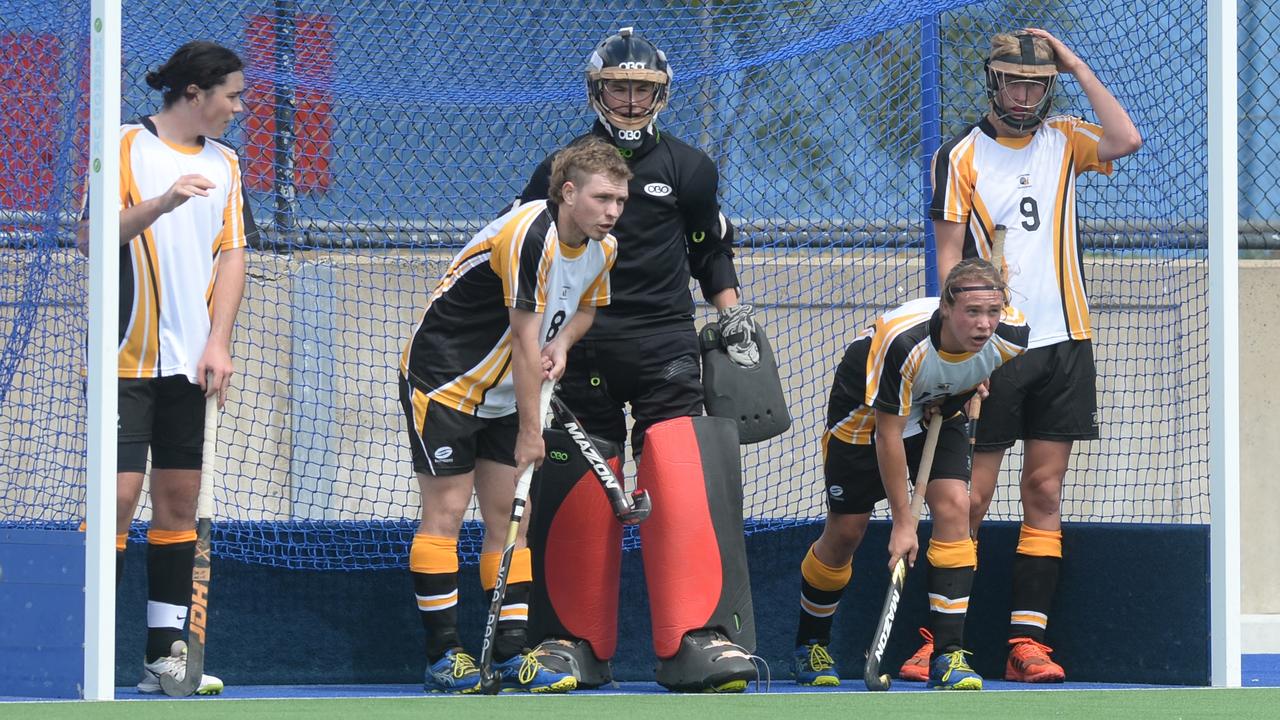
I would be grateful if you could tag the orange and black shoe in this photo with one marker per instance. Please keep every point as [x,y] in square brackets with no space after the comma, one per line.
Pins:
[1029,662]
[916,668]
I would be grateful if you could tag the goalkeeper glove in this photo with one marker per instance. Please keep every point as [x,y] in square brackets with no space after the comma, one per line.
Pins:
[739,334]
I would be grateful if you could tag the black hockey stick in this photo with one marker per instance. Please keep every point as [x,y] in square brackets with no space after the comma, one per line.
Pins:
[198,619]
[490,683]
[880,638]
[629,511]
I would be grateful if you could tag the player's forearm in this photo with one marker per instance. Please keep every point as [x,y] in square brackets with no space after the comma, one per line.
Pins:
[577,327]
[891,457]
[136,218]
[228,291]
[727,297]
[949,240]
[526,367]
[526,373]
[1120,137]
[715,274]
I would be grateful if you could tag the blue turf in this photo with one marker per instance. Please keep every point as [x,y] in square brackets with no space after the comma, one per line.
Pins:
[1256,671]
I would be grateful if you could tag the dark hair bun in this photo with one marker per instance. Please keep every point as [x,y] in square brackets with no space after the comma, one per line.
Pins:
[154,80]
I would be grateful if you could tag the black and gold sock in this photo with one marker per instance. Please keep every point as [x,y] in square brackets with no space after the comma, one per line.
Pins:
[513,618]
[433,563]
[122,541]
[169,557]
[1035,580]
[820,589]
[950,581]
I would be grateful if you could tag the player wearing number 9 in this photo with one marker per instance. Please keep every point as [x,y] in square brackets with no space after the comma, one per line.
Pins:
[496,325]
[1017,167]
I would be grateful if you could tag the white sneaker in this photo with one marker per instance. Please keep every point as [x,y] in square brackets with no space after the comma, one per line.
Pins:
[176,664]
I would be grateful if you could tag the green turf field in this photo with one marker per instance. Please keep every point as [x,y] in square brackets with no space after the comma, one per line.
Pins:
[1084,705]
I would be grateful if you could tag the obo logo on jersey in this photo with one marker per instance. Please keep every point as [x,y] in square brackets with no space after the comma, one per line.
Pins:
[658,189]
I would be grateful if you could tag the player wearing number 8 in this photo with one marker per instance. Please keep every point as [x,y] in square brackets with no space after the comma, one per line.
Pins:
[498,323]
[1017,167]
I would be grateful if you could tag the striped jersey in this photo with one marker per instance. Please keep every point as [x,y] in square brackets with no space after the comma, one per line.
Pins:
[898,366]
[460,350]
[167,273]
[1028,185]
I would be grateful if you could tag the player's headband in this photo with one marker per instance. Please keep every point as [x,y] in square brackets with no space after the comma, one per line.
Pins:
[975,288]
[957,289]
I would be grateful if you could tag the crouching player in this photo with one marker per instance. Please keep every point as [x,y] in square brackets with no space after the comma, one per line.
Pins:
[930,355]
[500,321]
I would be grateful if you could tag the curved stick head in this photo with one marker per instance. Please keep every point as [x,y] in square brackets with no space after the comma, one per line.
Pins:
[641,506]
[876,683]
[490,683]
[173,687]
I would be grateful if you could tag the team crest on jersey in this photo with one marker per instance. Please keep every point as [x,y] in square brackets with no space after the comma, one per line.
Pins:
[1024,181]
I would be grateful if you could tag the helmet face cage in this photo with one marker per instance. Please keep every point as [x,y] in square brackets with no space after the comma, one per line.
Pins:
[1023,67]
[630,59]
[1032,115]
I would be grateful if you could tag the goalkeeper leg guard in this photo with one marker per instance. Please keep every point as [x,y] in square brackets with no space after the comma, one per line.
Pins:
[695,560]
[577,562]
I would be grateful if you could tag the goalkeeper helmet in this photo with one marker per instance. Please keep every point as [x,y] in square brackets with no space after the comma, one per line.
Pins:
[627,83]
[1022,66]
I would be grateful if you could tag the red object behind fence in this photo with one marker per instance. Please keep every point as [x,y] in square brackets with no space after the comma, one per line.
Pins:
[313,122]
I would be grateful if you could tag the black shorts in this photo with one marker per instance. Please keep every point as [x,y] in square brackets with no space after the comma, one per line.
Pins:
[659,375]
[165,413]
[1047,394]
[853,474]
[444,441]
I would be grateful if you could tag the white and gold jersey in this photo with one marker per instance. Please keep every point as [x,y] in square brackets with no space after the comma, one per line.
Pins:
[168,271]
[1028,185]
[460,352]
[898,366]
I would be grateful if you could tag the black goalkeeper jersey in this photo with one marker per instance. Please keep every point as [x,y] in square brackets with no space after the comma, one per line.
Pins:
[670,229]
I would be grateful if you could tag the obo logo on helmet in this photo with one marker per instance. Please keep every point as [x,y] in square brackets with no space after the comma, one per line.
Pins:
[628,58]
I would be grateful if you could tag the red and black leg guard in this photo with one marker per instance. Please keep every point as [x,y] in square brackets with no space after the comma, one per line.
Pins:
[695,556]
[577,548]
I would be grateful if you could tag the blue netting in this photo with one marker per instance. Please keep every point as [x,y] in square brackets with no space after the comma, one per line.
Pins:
[381,134]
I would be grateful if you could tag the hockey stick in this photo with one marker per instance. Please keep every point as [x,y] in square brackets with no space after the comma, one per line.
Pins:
[198,621]
[880,638]
[997,259]
[490,684]
[629,511]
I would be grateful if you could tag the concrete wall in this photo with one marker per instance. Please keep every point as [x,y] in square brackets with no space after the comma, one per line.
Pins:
[1259,429]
